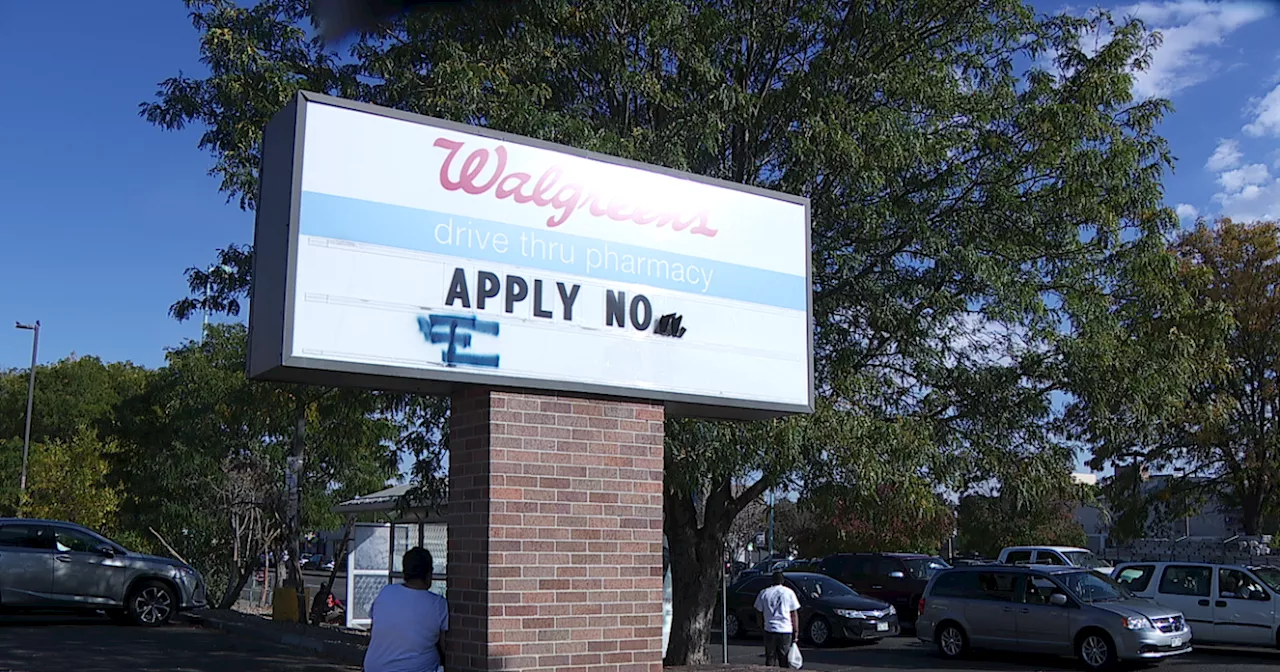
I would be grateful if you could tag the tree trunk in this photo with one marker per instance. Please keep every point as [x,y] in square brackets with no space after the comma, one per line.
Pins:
[236,585]
[697,565]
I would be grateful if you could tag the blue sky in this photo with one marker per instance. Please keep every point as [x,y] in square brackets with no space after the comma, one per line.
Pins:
[103,211]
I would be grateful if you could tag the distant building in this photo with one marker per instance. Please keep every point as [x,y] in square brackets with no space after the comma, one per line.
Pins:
[1214,521]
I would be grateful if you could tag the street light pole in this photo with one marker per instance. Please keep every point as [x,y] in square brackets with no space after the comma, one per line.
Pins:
[31,393]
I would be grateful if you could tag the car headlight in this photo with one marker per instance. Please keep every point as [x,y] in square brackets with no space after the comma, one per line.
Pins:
[1136,623]
[892,610]
[850,613]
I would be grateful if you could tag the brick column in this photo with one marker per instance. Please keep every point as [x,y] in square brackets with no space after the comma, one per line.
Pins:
[555,533]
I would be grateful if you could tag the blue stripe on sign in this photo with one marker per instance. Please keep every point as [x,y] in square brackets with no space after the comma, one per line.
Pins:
[356,220]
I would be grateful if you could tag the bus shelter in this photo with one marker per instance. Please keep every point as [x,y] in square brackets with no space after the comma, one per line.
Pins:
[385,529]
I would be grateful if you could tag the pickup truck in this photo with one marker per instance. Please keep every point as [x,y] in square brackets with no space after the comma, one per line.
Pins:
[1057,556]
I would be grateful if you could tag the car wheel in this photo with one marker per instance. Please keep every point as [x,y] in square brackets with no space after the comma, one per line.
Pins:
[819,631]
[732,627]
[1096,651]
[151,604]
[951,640]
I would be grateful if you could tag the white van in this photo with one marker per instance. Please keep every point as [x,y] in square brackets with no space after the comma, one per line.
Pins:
[1226,604]
[1056,556]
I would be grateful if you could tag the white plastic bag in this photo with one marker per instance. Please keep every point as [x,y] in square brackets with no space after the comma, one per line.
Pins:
[794,658]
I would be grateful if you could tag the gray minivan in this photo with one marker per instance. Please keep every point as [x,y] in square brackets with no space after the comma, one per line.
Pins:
[1062,611]
[48,564]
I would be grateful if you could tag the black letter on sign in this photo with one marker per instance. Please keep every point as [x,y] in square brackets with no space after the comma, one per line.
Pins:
[615,308]
[567,298]
[641,300]
[517,290]
[489,288]
[458,289]
[537,300]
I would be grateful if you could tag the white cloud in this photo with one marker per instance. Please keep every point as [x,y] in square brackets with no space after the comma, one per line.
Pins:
[1255,201]
[1187,211]
[1252,175]
[1189,28]
[1266,115]
[1225,156]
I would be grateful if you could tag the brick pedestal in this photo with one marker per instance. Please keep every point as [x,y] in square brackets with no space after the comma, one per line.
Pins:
[555,534]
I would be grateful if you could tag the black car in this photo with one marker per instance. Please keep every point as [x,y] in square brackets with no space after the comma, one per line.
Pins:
[896,578]
[828,609]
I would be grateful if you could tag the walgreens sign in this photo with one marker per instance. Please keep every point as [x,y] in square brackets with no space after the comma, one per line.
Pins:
[399,251]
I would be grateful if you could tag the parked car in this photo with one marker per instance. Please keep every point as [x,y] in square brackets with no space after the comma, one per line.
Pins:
[829,610]
[47,564]
[1052,610]
[1053,556]
[312,562]
[896,578]
[764,567]
[1227,604]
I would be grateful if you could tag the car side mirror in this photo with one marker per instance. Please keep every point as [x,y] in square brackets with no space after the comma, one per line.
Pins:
[1058,600]
[107,551]
[897,575]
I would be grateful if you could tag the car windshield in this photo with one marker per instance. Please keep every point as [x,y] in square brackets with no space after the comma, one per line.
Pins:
[924,568]
[1084,559]
[1269,576]
[1093,587]
[816,586]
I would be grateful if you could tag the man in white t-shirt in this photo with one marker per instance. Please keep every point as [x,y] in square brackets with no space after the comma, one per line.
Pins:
[408,621]
[779,606]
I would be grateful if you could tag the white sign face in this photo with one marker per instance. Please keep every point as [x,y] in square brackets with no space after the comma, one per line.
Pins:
[427,250]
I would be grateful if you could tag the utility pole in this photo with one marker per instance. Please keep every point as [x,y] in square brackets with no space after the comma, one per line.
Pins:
[293,490]
[772,497]
[31,394]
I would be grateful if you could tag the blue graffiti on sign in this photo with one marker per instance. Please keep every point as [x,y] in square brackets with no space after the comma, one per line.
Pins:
[456,330]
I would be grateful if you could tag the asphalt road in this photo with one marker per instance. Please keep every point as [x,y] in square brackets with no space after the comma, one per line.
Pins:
[83,644]
[906,654]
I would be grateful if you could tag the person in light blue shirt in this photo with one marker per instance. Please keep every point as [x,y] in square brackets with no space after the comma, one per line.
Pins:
[409,621]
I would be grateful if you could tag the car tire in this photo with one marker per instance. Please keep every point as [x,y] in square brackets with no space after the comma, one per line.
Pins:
[1095,650]
[819,631]
[951,641]
[151,604]
[732,626]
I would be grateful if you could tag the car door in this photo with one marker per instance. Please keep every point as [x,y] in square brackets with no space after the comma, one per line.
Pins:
[745,602]
[1188,588]
[861,572]
[26,564]
[83,574]
[1041,626]
[1244,609]
[890,582]
[991,613]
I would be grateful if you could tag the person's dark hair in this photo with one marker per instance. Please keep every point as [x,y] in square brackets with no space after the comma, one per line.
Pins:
[777,578]
[417,564]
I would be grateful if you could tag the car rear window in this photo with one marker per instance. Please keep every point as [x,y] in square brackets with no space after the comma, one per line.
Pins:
[1186,580]
[1018,558]
[1136,577]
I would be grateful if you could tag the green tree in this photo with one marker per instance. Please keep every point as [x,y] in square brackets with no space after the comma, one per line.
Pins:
[203,454]
[69,480]
[974,212]
[1220,428]
[72,396]
[1018,514]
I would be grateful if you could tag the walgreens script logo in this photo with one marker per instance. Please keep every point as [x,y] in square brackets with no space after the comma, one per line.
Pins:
[564,193]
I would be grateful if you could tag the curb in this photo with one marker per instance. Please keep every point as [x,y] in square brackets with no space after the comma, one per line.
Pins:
[348,654]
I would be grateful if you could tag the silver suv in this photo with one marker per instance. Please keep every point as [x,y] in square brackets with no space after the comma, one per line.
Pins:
[47,564]
[1061,611]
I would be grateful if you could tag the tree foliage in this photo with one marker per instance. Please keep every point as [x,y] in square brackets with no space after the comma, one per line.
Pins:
[70,480]
[1011,516]
[1220,430]
[984,189]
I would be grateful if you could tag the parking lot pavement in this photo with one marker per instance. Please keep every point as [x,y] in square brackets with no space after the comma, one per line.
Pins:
[906,654]
[84,644]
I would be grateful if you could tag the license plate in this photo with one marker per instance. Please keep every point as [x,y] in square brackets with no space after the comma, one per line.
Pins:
[1177,641]
[882,627]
